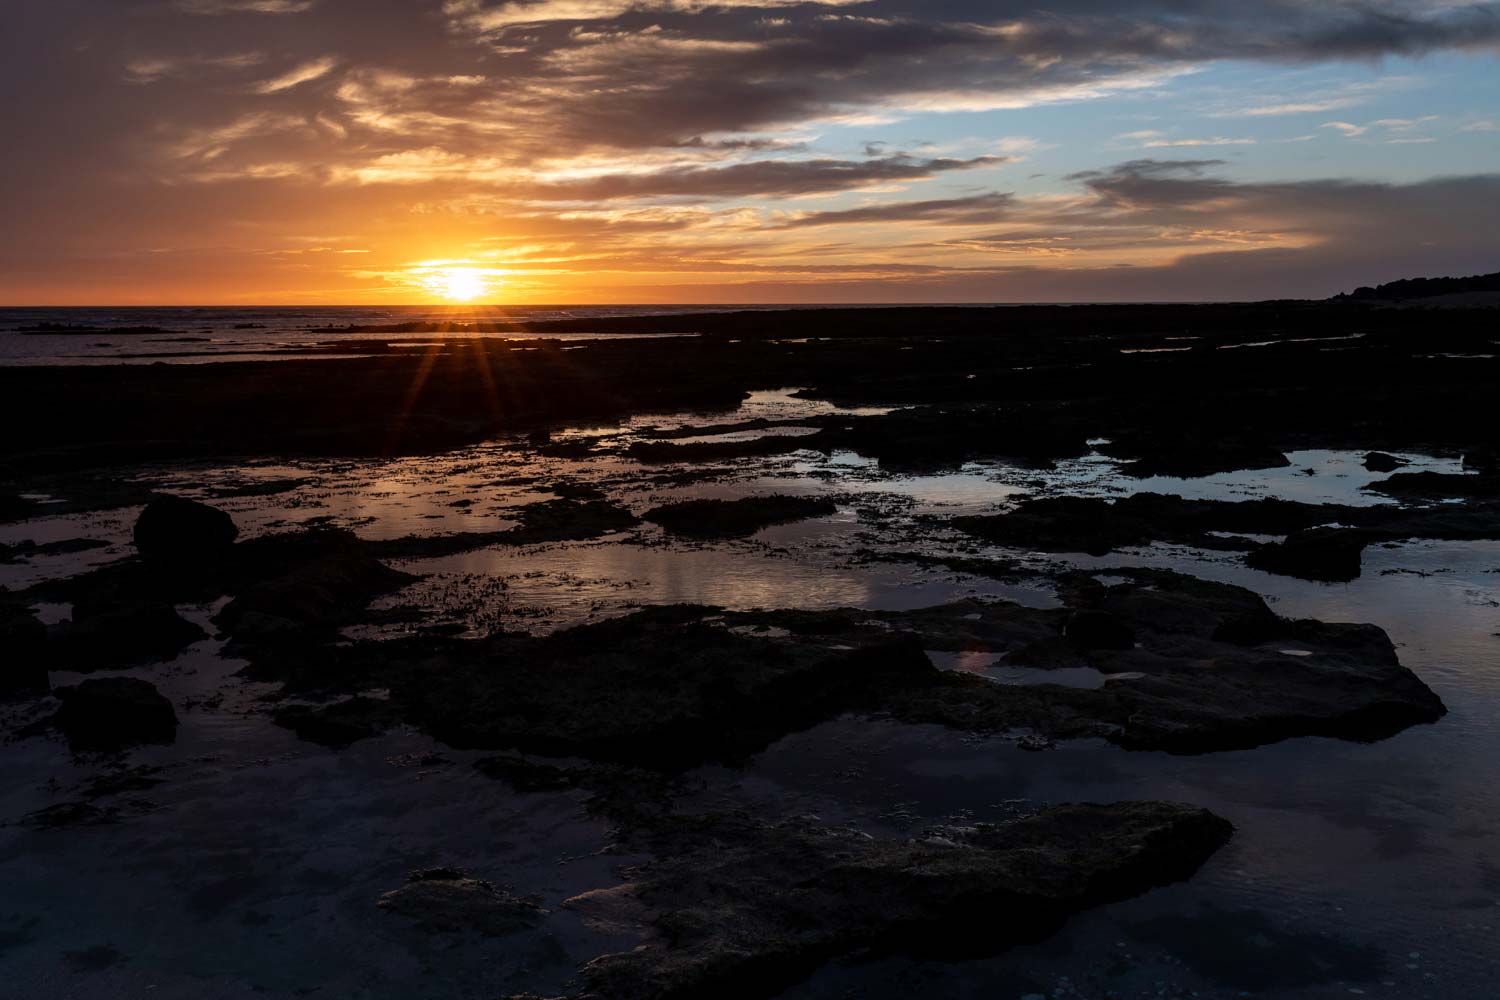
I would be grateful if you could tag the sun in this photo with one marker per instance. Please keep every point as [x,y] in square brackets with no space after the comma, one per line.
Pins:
[460,284]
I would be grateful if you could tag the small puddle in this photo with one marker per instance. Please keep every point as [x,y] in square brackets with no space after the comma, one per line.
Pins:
[988,666]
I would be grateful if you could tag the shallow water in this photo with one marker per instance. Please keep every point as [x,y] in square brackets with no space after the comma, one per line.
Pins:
[254,869]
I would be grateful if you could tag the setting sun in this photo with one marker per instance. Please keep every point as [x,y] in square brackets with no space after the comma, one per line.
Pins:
[460,284]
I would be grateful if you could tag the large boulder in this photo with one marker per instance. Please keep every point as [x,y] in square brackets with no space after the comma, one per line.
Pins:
[110,713]
[176,529]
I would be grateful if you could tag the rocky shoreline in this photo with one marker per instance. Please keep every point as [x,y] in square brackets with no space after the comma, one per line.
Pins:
[617,713]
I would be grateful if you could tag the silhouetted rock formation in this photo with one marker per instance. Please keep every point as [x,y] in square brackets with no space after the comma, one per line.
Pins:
[177,529]
[114,712]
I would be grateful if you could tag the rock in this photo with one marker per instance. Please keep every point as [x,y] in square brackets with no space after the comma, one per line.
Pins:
[66,814]
[1379,461]
[340,724]
[1098,527]
[671,687]
[176,529]
[529,776]
[1312,549]
[17,508]
[742,907]
[26,550]
[109,633]
[1485,460]
[661,452]
[562,520]
[1331,555]
[931,438]
[1439,486]
[1098,630]
[1349,685]
[114,712]
[445,899]
[22,648]
[657,687]
[1187,458]
[327,578]
[732,518]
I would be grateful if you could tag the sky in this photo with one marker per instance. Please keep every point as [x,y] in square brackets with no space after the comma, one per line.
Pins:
[679,151]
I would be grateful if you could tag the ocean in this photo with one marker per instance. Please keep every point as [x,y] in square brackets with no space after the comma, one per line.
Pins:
[199,334]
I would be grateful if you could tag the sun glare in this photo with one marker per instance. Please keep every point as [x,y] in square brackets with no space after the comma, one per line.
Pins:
[460,284]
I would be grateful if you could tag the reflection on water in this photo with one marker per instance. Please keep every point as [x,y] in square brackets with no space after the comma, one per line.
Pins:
[988,666]
[549,587]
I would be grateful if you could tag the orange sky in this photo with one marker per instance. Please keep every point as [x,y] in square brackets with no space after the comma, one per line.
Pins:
[595,151]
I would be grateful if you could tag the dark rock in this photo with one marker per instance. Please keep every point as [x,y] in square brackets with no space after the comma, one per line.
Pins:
[650,688]
[30,550]
[1350,684]
[66,814]
[1439,486]
[660,452]
[736,907]
[562,520]
[176,529]
[671,687]
[16,508]
[1098,527]
[1187,458]
[1312,550]
[930,438]
[114,712]
[1485,460]
[1330,555]
[1098,630]
[22,647]
[109,633]
[528,776]
[327,579]
[733,518]
[340,724]
[1379,461]
[445,899]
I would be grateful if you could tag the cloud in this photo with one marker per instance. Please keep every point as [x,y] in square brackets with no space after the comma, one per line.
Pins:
[975,210]
[214,7]
[1348,128]
[758,179]
[305,73]
[1217,140]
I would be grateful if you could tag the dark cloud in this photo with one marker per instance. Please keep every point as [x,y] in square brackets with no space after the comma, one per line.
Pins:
[765,178]
[979,209]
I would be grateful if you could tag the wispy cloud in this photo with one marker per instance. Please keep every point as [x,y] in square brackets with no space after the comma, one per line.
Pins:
[1217,140]
[214,7]
[313,69]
